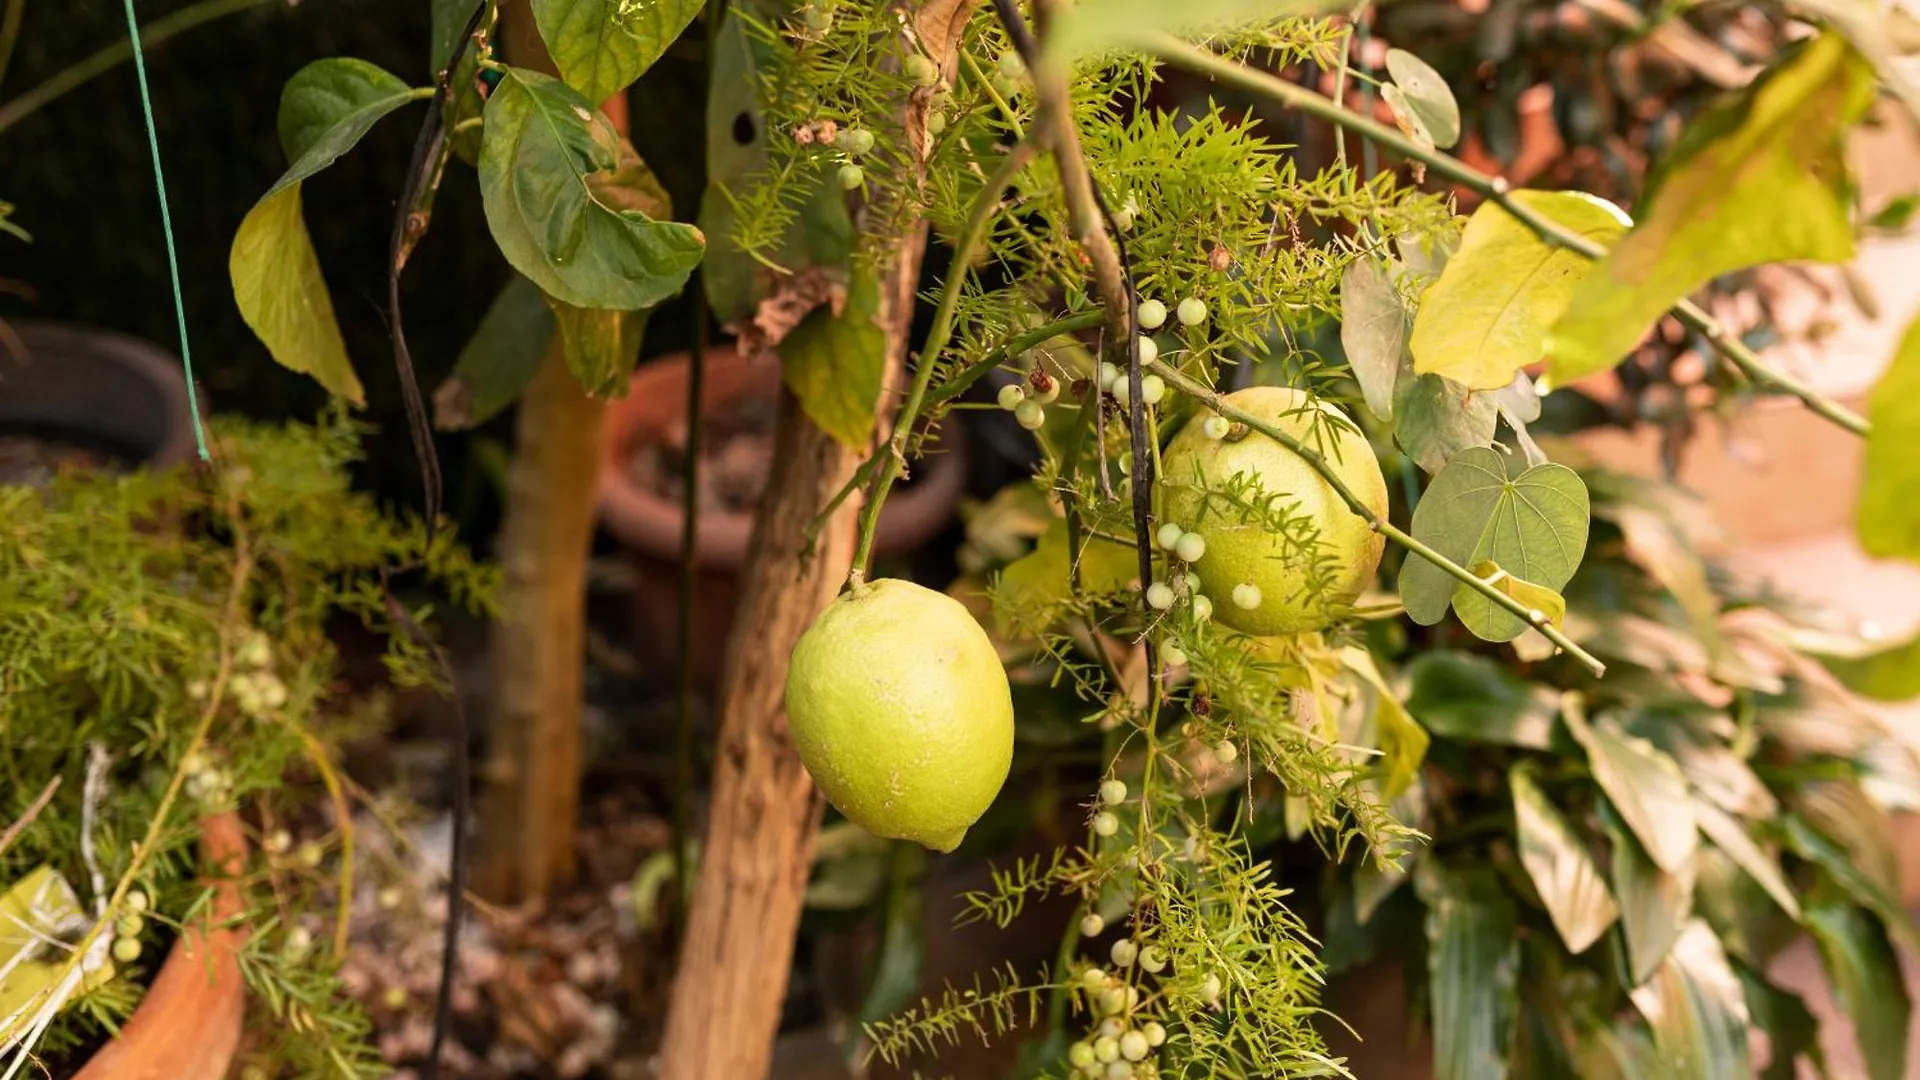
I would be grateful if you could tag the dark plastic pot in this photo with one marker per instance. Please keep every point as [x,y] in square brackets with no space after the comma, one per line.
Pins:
[649,524]
[107,393]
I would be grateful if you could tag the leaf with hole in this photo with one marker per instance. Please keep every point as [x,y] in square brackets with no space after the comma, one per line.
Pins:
[1373,331]
[1486,506]
[324,110]
[1559,865]
[1489,313]
[602,46]
[1645,787]
[1760,179]
[545,168]
[1421,95]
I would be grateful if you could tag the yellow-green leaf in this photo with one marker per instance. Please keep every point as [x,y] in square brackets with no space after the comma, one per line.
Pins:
[602,46]
[1559,864]
[834,363]
[1889,512]
[1536,597]
[1098,26]
[1400,738]
[600,346]
[1423,96]
[1760,179]
[1488,314]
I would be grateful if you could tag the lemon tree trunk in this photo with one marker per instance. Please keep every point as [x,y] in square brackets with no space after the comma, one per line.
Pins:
[530,806]
[738,947]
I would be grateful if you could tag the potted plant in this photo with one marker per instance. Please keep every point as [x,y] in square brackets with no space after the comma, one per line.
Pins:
[171,689]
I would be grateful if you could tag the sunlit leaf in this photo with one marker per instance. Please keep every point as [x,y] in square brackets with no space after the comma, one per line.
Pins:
[1096,26]
[1535,598]
[1864,970]
[1731,837]
[544,146]
[1401,740]
[1761,179]
[1645,787]
[1486,506]
[1697,1009]
[1655,904]
[1424,93]
[1473,960]
[1373,331]
[1435,419]
[324,110]
[1039,580]
[602,46]
[1474,699]
[1488,315]
[1560,865]
[834,363]
[1888,517]
[499,359]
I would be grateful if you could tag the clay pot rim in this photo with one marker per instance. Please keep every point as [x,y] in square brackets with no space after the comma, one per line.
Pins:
[204,958]
[643,520]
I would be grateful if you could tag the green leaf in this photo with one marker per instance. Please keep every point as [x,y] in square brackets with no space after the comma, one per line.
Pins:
[448,18]
[1488,315]
[1435,419]
[1098,26]
[1864,970]
[1654,904]
[1401,740]
[601,346]
[1486,506]
[602,46]
[546,166]
[903,951]
[1888,517]
[1424,98]
[1644,786]
[1888,674]
[834,363]
[1038,580]
[1792,1030]
[1732,838]
[1473,960]
[324,110]
[1373,331]
[1659,544]
[1761,179]
[1861,886]
[1843,813]
[10,227]
[1697,1009]
[1473,699]
[499,359]
[1534,597]
[1562,869]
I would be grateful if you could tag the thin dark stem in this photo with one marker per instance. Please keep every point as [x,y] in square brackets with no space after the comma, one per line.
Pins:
[1206,396]
[893,455]
[1496,190]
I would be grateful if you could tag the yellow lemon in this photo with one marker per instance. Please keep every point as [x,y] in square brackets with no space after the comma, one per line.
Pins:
[901,711]
[1264,580]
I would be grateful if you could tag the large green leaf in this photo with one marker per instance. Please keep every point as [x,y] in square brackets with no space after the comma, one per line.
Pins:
[324,110]
[1864,971]
[1792,1030]
[1655,904]
[1473,959]
[1697,1009]
[1373,330]
[499,359]
[1645,787]
[1888,517]
[1487,506]
[602,46]
[1488,315]
[834,363]
[544,167]
[1732,838]
[1562,869]
[1434,419]
[1761,179]
[601,346]
[1474,699]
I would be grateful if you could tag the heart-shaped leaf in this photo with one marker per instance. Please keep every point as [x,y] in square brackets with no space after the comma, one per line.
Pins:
[602,46]
[545,146]
[1645,787]
[1488,314]
[1373,331]
[1486,506]
[1560,866]
[1424,97]
[324,110]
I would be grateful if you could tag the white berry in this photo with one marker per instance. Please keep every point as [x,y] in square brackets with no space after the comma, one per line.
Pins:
[1105,824]
[1124,953]
[1092,925]
[1225,752]
[1155,1033]
[1011,395]
[1119,1070]
[1106,1048]
[1154,959]
[1172,654]
[921,70]
[1133,1046]
[1192,311]
[1159,596]
[1113,792]
[1122,391]
[1094,978]
[1108,375]
[1030,415]
[1152,389]
[1210,989]
[1202,608]
[851,176]
[1153,314]
[1216,427]
[1149,351]
[1169,536]
[1190,547]
[1246,596]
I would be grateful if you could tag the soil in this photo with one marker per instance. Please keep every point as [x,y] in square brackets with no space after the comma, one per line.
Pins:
[32,461]
[736,451]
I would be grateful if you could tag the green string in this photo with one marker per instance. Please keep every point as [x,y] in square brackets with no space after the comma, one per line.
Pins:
[166,226]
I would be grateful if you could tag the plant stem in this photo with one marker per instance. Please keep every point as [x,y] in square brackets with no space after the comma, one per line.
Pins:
[77,75]
[1212,400]
[1495,189]
[985,205]
[1013,346]
[10,33]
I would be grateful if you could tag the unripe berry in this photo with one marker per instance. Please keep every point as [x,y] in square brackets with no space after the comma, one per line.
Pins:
[1149,350]
[1106,1048]
[1011,395]
[1192,311]
[1190,547]
[1112,1027]
[1210,989]
[1216,427]
[1152,389]
[1092,925]
[1133,1046]
[1044,388]
[1225,752]
[395,998]
[1153,959]
[129,925]
[1155,1033]
[1159,596]
[1010,65]
[1124,953]
[1109,374]
[922,70]
[856,141]
[277,842]
[1105,824]
[1246,596]
[299,940]
[936,123]
[1030,415]
[127,950]
[1119,1070]
[137,900]
[309,855]
[1172,654]
[1122,391]
[1202,607]
[1080,1054]
[851,176]
[1169,536]
[1093,978]
[1152,314]
[1113,792]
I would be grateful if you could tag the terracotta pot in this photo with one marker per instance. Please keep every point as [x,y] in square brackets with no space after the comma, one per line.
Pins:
[649,524]
[188,1025]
